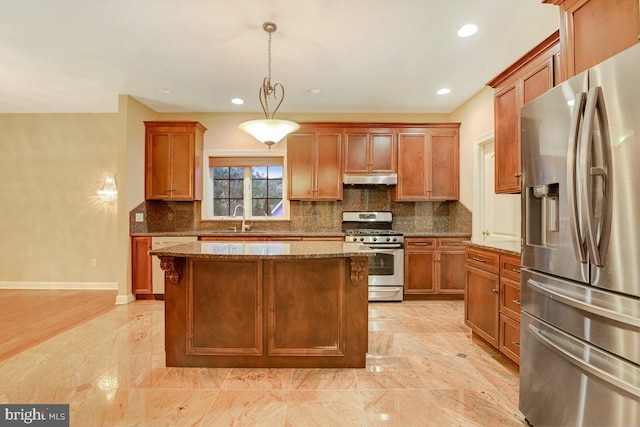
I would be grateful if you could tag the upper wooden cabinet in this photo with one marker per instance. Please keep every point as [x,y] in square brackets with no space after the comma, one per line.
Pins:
[594,30]
[531,76]
[314,162]
[173,160]
[428,163]
[369,150]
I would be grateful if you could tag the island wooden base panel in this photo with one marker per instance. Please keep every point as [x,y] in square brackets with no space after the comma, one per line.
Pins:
[280,313]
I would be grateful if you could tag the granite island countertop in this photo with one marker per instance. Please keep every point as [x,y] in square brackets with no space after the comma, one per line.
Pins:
[259,250]
[510,247]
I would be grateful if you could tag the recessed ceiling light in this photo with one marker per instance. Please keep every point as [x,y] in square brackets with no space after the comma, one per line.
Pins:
[467,30]
[237,101]
[313,90]
[443,91]
[163,90]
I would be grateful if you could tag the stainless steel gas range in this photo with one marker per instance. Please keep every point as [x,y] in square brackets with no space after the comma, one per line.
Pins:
[372,232]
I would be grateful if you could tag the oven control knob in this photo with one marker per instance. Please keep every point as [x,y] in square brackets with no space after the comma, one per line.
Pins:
[355,239]
[362,239]
[394,239]
[388,239]
[375,239]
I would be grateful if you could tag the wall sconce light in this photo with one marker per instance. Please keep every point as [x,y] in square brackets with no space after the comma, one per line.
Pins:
[109,191]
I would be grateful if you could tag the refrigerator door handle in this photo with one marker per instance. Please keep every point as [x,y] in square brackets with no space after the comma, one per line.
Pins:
[574,222]
[582,364]
[597,235]
[583,305]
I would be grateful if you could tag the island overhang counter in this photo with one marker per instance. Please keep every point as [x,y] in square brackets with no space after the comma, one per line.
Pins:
[265,304]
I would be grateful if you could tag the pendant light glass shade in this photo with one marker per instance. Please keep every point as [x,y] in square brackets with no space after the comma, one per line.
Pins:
[269,131]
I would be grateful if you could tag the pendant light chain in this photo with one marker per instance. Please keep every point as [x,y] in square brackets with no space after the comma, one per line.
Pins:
[269,55]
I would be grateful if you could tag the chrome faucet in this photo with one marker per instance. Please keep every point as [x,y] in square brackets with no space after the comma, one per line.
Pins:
[245,226]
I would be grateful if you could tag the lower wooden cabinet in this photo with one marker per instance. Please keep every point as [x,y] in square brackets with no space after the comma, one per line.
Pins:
[141,283]
[492,298]
[481,303]
[433,267]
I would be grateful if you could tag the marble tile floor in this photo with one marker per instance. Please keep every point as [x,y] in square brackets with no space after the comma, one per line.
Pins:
[423,369]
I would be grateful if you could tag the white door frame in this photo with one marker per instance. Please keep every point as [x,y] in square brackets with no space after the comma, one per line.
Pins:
[478,185]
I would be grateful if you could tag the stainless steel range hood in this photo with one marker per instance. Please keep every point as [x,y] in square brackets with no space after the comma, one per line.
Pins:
[371,179]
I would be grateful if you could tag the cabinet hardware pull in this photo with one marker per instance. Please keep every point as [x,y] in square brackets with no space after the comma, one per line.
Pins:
[478,259]
[495,291]
[517,174]
[516,343]
[516,301]
[421,244]
[517,270]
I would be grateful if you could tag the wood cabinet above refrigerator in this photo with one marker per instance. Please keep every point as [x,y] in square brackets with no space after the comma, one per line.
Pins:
[594,30]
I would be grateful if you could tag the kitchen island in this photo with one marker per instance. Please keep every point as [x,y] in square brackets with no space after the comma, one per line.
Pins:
[265,304]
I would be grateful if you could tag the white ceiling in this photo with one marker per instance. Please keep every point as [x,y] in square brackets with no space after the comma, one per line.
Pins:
[384,56]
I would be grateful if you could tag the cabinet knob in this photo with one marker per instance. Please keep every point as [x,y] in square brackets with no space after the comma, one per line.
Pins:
[516,301]
[495,291]
[516,343]
[517,174]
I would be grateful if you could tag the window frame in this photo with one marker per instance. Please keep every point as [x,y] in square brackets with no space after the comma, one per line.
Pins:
[207,187]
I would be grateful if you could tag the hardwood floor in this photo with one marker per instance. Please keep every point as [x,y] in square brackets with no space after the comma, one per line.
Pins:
[29,317]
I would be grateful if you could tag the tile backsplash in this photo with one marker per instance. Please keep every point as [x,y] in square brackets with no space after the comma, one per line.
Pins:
[313,216]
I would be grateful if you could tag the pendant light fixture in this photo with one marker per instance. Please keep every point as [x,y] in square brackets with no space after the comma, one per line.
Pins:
[269,131]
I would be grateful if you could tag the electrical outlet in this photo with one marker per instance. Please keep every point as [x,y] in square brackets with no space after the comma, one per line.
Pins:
[139,217]
[94,262]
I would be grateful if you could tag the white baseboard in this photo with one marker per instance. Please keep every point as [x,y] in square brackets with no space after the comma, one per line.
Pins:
[125,299]
[92,286]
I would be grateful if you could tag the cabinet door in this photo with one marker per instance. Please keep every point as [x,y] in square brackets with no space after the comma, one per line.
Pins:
[537,81]
[507,140]
[329,166]
[181,169]
[383,153]
[412,174]
[451,272]
[419,272]
[157,176]
[594,30]
[445,165]
[301,163]
[481,301]
[141,266]
[356,152]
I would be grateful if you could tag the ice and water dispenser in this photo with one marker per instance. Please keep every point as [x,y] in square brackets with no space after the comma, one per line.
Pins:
[543,223]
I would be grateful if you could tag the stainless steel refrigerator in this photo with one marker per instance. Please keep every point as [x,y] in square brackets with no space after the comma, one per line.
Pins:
[580,286]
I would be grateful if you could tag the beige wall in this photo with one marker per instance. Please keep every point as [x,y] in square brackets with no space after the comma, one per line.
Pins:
[476,116]
[52,222]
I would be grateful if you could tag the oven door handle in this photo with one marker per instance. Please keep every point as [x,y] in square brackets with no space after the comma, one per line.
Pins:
[377,248]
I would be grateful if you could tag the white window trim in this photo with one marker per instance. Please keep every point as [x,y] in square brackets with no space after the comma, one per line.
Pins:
[207,185]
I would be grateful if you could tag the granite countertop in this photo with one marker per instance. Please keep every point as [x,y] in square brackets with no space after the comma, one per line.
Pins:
[259,250]
[235,234]
[510,247]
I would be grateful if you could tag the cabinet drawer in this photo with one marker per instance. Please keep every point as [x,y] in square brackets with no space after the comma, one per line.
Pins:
[482,259]
[510,338]
[510,297]
[417,244]
[451,243]
[510,266]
